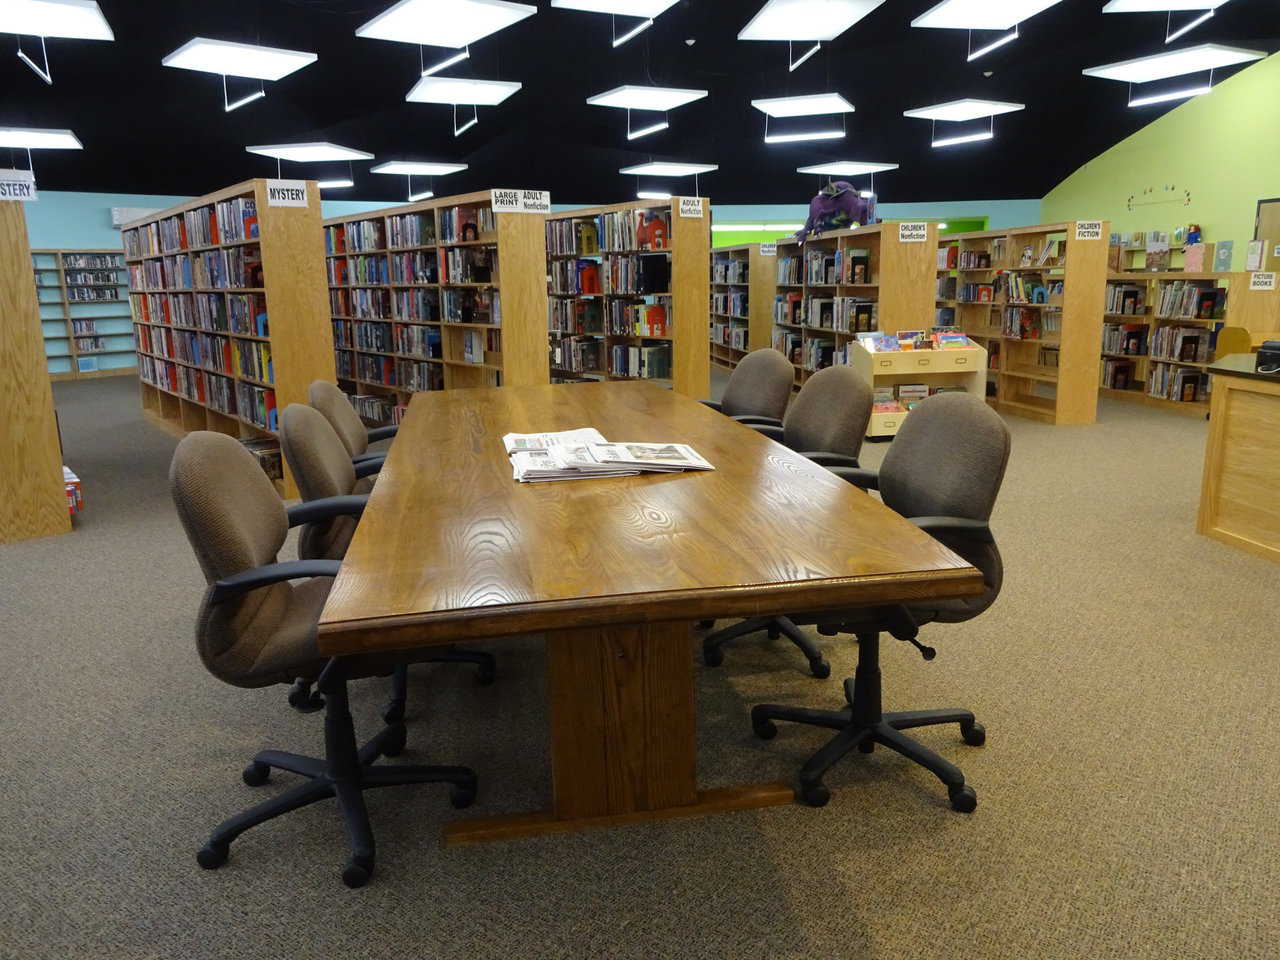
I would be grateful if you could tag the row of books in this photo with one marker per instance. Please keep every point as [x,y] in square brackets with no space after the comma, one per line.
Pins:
[363,235]
[641,229]
[1117,374]
[574,316]
[788,343]
[90,344]
[374,408]
[84,326]
[418,267]
[1126,298]
[411,230]
[94,277]
[342,334]
[577,354]
[236,219]
[344,362]
[730,270]
[241,358]
[846,266]
[420,305]
[575,276]
[362,302]
[818,353]
[948,257]
[373,336]
[974,260]
[466,223]
[573,236]
[940,338]
[645,362]
[93,294]
[471,306]
[640,319]
[1127,338]
[1184,299]
[417,341]
[1188,344]
[843,314]
[1166,381]
[789,308]
[92,261]
[900,398]
[469,265]
[729,334]
[1027,288]
[789,270]
[243,313]
[637,274]
[945,288]
[1025,323]
[730,304]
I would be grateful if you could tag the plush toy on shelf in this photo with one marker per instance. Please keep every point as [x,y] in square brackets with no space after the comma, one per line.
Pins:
[1193,233]
[838,206]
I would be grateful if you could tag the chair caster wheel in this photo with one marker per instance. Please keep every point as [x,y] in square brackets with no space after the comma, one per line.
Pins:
[356,874]
[774,633]
[963,798]
[820,669]
[302,699]
[256,774]
[765,729]
[975,735]
[394,713]
[813,794]
[706,624]
[395,743]
[213,854]
[866,746]
[486,673]
[462,797]
[712,656]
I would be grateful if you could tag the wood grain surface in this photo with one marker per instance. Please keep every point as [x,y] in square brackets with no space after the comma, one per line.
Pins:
[451,547]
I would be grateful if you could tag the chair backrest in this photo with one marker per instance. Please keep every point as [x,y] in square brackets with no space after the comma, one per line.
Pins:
[337,409]
[322,468]
[829,414]
[760,385]
[949,460]
[235,521]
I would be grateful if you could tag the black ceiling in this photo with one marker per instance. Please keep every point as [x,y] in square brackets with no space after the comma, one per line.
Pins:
[152,129]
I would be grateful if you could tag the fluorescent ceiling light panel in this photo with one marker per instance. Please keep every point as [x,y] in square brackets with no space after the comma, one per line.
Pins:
[443,23]
[964,138]
[335,184]
[847,168]
[1160,6]
[446,63]
[958,111]
[237,59]
[798,137]
[416,168]
[980,14]
[621,8]
[663,169]
[309,152]
[1170,95]
[420,195]
[633,97]
[652,195]
[485,93]
[70,19]
[33,139]
[645,131]
[993,45]
[1174,63]
[816,20]
[809,105]
[638,29]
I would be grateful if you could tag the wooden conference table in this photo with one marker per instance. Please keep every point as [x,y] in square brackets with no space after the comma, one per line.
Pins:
[614,572]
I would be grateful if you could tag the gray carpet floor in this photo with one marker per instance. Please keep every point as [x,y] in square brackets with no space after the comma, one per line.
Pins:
[1128,792]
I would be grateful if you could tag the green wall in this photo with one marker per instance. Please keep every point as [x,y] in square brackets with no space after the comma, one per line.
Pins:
[1222,149]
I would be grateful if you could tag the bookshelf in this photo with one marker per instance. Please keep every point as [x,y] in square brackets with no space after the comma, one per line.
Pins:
[33,499]
[1034,297]
[228,298]
[435,295]
[607,319]
[742,288]
[837,284]
[84,313]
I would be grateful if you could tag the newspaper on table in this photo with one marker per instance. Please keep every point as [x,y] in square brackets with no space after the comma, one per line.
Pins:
[579,454]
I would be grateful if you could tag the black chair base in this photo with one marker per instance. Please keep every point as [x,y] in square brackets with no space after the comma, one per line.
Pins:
[713,655]
[862,725]
[345,772]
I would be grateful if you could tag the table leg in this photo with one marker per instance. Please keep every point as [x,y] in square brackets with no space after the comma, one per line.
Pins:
[623,736]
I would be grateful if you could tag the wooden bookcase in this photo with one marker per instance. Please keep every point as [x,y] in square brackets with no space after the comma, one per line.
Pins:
[33,500]
[230,330]
[582,241]
[408,313]
[83,298]
[882,281]
[742,289]
[1052,374]
[936,368]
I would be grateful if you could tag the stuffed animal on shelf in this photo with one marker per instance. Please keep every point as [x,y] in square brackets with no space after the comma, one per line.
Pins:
[1193,233]
[838,206]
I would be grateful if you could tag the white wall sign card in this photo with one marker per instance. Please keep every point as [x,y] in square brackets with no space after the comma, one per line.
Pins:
[913,232]
[1275,252]
[286,193]
[691,207]
[17,185]
[1253,259]
[1088,229]
[520,201]
[769,249]
[1262,281]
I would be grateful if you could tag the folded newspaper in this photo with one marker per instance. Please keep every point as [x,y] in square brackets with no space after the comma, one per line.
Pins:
[577,454]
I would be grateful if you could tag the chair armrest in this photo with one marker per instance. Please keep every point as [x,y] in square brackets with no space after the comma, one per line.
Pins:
[713,404]
[858,476]
[768,429]
[368,455]
[383,433]
[326,508]
[824,458]
[751,420]
[367,468]
[247,580]
[979,530]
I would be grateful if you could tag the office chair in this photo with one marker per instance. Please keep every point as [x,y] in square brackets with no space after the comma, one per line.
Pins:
[321,467]
[943,473]
[257,627]
[825,423]
[337,409]
[759,386]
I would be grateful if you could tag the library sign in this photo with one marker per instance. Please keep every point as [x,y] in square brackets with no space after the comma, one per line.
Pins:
[1088,229]
[17,185]
[286,193]
[520,201]
[913,232]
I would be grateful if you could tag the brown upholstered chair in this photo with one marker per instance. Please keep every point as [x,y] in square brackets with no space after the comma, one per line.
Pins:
[337,409]
[257,626]
[825,423]
[760,386]
[319,463]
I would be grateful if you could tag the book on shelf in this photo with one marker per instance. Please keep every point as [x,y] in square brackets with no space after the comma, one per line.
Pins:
[1117,374]
[1193,257]
[1126,298]
[1127,338]
[948,257]
[1222,254]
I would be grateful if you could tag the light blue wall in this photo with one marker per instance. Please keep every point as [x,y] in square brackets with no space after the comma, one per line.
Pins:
[1001,213]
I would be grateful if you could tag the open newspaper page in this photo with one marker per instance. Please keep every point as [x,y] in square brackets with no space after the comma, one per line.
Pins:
[563,462]
[659,457]
[517,442]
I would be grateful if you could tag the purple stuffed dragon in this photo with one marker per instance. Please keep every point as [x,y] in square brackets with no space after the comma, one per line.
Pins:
[838,206]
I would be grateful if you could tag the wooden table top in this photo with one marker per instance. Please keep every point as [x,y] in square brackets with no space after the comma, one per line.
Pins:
[450,547]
